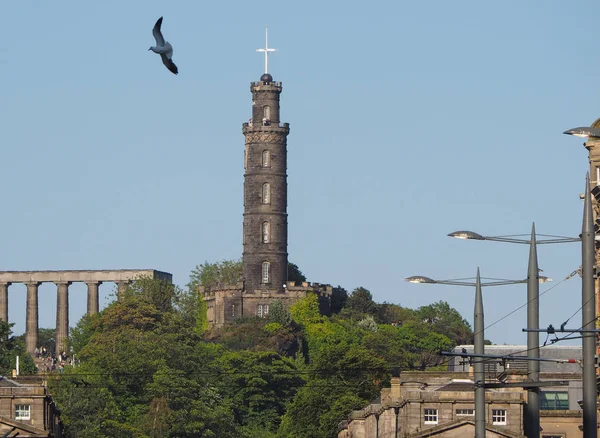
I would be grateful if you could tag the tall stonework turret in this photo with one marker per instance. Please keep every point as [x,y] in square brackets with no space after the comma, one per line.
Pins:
[265,256]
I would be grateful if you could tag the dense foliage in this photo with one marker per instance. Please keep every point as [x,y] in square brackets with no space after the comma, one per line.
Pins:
[148,371]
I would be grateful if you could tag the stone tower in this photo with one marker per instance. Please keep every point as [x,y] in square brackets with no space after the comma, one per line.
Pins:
[265,255]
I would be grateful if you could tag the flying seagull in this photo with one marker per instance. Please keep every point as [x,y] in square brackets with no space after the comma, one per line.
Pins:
[163,48]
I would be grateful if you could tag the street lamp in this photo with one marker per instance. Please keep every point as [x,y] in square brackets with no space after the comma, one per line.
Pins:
[514,238]
[584,131]
[532,415]
[479,340]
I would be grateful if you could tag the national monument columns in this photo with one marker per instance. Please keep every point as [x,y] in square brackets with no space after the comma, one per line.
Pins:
[62,280]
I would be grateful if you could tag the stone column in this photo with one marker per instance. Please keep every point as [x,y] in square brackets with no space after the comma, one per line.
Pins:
[4,301]
[121,288]
[62,316]
[31,320]
[92,300]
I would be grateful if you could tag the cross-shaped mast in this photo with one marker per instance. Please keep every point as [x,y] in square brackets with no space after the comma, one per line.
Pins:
[267,49]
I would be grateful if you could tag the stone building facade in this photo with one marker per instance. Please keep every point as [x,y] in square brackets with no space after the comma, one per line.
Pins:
[265,225]
[27,409]
[441,403]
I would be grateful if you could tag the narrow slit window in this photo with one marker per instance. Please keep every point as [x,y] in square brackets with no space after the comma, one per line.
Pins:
[265,272]
[266,193]
[267,112]
[266,231]
[266,159]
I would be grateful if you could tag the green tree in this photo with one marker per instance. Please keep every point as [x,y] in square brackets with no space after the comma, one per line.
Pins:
[80,335]
[306,310]
[279,314]
[360,303]
[294,273]
[442,318]
[339,297]
[260,385]
[216,274]
[10,348]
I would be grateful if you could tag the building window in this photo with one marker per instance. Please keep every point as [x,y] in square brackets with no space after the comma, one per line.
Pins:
[499,417]
[465,412]
[265,272]
[554,400]
[431,416]
[267,112]
[266,232]
[22,412]
[266,159]
[266,193]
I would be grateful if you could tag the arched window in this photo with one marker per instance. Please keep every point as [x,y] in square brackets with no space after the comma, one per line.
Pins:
[266,232]
[266,159]
[266,193]
[265,272]
[267,112]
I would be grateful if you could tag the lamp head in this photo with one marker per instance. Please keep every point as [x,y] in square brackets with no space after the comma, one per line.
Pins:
[420,279]
[543,279]
[585,132]
[466,235]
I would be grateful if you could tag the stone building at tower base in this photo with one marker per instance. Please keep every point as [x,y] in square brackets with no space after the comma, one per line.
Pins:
[226,304]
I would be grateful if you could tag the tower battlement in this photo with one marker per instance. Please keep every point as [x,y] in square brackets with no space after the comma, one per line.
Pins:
[265,86]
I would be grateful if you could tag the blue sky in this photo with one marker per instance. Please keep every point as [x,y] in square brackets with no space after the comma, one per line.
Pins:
[409,120]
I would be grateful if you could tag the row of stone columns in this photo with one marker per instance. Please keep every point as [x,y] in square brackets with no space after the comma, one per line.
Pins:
[62,310]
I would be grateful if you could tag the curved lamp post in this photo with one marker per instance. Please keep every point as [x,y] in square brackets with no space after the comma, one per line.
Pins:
[584,131]
[588,296]
[479,340]
[532,414]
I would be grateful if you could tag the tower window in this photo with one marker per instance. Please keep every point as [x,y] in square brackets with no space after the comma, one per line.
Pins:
[266,228]
[267,112]
[266,159]
[265,272]
[266,193]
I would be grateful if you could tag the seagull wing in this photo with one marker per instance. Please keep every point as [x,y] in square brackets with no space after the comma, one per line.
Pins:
[160,41]
[169,64]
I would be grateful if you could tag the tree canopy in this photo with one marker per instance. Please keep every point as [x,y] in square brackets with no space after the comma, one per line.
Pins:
[147,370]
